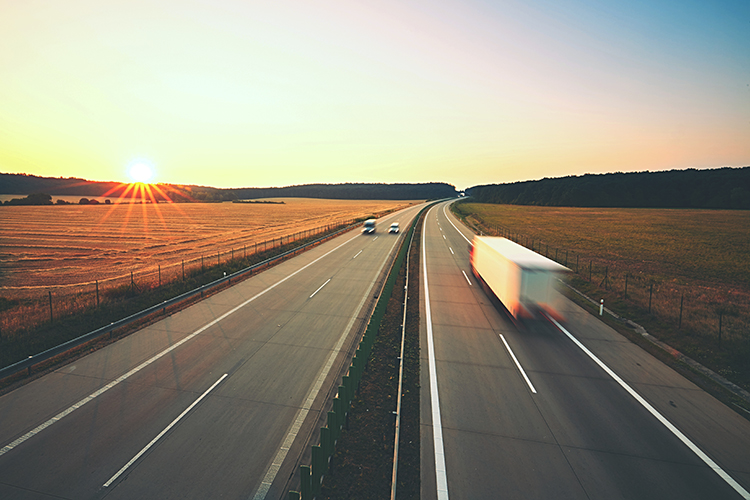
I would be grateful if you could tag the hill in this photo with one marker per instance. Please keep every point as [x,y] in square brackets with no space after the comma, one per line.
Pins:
[716,188]
[23,184]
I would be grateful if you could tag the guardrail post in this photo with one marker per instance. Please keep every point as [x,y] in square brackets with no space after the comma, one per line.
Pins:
[317,468]
[338,408]
[347,383]
[305,482]
[325,442]
[331,430]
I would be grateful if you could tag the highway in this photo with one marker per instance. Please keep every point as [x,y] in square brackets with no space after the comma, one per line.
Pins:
[526,412]
[215,401]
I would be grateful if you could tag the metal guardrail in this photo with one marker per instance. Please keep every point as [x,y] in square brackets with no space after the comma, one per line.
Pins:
[87,337]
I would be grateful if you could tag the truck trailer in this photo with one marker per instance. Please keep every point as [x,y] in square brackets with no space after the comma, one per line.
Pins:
[522,280]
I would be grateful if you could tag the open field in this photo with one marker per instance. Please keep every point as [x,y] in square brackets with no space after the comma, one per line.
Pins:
[63,246]
[67,253]
[684,274]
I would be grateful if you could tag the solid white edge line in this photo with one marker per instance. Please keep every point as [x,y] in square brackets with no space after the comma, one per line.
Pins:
[452,224]
[467,278]
[441,477]
[319,289]
[706,459]
[169,349]
[159,436]
[520,368]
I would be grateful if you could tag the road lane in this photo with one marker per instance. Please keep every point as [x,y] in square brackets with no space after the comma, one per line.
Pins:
[581,435]
[272,349]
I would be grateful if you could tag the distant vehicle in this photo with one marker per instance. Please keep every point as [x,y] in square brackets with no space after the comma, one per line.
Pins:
[369,226]
[522,280]
[394,228]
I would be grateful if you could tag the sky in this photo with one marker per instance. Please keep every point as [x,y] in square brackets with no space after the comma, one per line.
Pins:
[244,93]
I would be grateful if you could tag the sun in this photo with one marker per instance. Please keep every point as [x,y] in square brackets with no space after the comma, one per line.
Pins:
[140,172]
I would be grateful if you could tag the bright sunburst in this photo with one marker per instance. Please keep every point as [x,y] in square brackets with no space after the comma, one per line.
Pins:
[140,172]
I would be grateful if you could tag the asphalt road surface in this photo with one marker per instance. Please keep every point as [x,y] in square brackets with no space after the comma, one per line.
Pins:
[554,423]
[215,401]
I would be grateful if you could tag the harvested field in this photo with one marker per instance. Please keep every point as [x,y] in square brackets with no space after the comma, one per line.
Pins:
[72,255]
[62,246]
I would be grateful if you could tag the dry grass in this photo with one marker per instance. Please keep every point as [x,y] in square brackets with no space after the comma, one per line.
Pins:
[697,261]
[69,250]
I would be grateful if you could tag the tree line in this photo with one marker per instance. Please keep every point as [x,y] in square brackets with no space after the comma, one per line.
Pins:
[725,188]
[31,184]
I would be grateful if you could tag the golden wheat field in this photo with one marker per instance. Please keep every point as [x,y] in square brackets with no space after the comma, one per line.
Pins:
[57,247]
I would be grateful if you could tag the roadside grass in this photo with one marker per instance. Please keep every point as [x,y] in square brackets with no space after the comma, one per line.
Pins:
[659,331]
[684,275]
[362,464]
[120,302]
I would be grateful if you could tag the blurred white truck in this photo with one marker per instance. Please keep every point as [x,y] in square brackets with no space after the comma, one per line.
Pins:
[524,281]
[368,227]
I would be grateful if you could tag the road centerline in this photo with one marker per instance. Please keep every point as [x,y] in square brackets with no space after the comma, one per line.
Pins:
[515,360]
[161,434]
[320,288]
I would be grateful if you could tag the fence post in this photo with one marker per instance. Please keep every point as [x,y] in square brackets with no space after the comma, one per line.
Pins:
[721,313]
[50,304]
[577,256]
[159,274]
[132,281]
[650,294]
[679,322]
[590,265]
[97,293]
[183,269]
[626,288]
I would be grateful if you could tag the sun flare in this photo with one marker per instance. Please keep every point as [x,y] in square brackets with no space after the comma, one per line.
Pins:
[140,172]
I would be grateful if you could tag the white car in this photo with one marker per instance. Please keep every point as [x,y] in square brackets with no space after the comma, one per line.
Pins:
[393,228]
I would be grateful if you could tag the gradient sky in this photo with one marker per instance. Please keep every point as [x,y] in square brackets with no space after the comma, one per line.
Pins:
[244,93]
